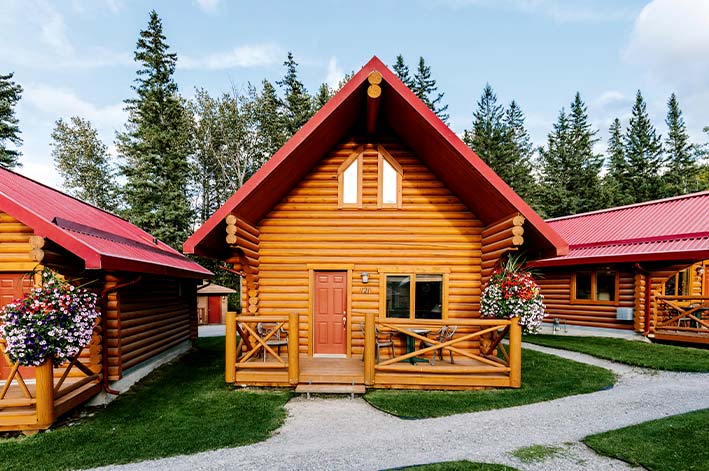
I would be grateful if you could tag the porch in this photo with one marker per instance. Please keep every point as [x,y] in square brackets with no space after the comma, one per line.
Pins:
[29,405]
[253,361]
[681,319]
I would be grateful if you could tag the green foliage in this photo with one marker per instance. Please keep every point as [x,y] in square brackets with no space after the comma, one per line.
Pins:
[156,144]
[83,162]
[634,353]
[676,443]
[536,453]
[682,174]
[322,96]
[463,465]
[538,384]
[425,88]
[402,71]
[616,184]
[270,118]
[297,104]
[182,408]
[10,94]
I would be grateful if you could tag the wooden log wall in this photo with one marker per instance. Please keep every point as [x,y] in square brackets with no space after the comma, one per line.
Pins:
[556,289]
[146,319]
[243,238]
[15,248]
[499,238]
[433,231]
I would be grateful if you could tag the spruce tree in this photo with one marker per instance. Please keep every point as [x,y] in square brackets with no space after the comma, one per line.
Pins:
[425,88]
[643,150]
[83,162]
[155,144]
[487,135]
[10,94]
[297,104]
[586,164]
[321,97]
[402,71]
[616,185]
[516,170]
[682,174]
[270,118]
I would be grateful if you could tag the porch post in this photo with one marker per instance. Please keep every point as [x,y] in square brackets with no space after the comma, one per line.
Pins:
[230,348]
[45,393]
[369,333]
[515,353]
[293,354]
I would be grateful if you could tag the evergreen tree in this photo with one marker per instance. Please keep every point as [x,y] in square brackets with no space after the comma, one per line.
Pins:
[425,88]
[616,184]
[516,170]
[323,96]
[83,162]
[297,104]
[156,143]
[682,172]
[643,151]
[10,94]
[402,71]
[586,164]
[487,135]
[270,119]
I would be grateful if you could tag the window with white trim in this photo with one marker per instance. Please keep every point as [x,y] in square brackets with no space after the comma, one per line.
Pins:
[390,180]
[349,181]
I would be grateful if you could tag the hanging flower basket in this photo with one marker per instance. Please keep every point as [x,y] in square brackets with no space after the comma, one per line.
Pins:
[55,321]
[512,292]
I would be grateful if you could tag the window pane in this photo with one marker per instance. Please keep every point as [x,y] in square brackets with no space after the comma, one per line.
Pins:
[670,286]
[349,190]
[583,285]
[683,283]
[398,296]
[605,286]
[429,296]
[389,176]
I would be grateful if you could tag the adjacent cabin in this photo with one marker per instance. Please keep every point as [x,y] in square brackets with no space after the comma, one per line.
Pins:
[373,228]
[641,267]
[212,303]
[147,292]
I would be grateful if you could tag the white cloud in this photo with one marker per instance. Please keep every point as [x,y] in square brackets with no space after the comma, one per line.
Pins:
[254,55]
[40,170]
[334,74]
[209,6]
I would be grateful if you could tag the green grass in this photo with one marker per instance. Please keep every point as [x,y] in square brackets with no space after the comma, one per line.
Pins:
[536,453]
[458,466]
[182,408]
[544,377]
[629,352]
[677,443]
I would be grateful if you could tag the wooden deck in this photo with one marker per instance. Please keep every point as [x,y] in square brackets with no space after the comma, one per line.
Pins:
[681,319]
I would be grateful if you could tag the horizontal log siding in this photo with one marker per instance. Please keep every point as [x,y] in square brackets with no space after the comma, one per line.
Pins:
[14,245]
[146,319]
[556,288]
[433,230]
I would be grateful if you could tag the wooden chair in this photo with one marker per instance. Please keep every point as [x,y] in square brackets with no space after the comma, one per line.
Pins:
[277,340]
[444,334]
[381,339]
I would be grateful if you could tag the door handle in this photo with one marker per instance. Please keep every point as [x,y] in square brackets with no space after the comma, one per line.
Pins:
[344,319]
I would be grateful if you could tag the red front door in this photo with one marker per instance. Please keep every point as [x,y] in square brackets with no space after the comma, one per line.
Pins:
[214,309]
[330,316]
[13,286]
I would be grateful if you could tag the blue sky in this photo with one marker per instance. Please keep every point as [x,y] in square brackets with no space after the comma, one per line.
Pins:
[75,57]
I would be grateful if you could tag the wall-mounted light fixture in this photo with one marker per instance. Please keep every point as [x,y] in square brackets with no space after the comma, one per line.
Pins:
[365,277]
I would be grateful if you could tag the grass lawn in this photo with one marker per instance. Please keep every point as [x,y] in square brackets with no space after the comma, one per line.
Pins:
[646,355]
[458,466]
[544,377]
[676,443]
[184,407]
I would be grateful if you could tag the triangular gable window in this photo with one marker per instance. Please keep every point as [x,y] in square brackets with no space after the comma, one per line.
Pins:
[349,181]
[390,180]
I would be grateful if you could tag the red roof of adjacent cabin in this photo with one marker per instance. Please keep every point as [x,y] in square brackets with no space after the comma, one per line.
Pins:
[668,229]
[103,240]
[463,172]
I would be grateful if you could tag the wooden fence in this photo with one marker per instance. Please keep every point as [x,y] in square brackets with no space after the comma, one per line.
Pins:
[681,318]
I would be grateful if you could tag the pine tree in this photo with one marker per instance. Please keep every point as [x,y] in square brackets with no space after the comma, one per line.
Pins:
[10,94]
[425,88]
[517,151]
[297,105]
[586,164]
[643,151]
[323,96]
[682,175]
[402,71]
[83,162]
[488,134]
[615,184]
[155,144]
[270,119]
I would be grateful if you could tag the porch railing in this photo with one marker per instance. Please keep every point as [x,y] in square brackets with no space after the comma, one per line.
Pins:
[681,314]
[489,331]
[245,342]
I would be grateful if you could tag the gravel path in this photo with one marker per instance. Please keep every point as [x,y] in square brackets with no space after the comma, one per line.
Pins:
[333,434]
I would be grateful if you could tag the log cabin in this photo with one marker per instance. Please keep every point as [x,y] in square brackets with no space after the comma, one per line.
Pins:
[147,292]
[212,302]
[369,231]
[641,268]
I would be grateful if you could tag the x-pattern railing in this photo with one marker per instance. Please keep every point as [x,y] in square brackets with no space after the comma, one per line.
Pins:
[14,376]
[673,310]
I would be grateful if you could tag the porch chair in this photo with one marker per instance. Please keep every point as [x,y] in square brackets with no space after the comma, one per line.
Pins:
[277,340]
[381,339]
[444,334]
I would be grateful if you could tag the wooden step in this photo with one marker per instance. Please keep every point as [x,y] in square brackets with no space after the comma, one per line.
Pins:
[330,389]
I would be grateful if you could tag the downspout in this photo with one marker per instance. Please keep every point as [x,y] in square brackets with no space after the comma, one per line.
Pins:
[648,290]
[104,344]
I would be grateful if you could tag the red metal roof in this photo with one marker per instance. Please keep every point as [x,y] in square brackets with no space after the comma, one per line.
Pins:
[103,240]
[668,229]
[444,153]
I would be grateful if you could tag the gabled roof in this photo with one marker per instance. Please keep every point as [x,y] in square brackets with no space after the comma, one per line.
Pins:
[214,290]
[464,173]
[103,240]
[668,229]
